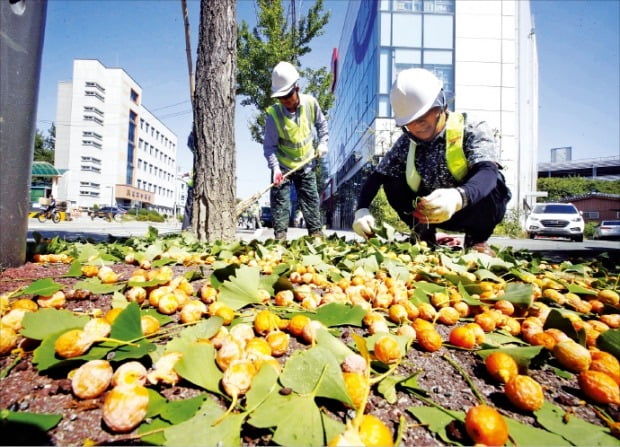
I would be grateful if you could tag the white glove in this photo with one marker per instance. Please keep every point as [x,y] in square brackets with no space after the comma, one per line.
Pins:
[321,150]
[363,223]
[277,176]
[439,206]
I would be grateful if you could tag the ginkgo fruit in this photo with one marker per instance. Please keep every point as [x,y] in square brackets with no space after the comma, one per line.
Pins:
[501,366]
[486,426]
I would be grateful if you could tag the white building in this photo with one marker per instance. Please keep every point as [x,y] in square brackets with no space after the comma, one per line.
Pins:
[114,150]
[485,54]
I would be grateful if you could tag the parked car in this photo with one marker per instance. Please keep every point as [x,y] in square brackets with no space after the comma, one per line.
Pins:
[266,219]
[108,212]
[608,229]
[555,219]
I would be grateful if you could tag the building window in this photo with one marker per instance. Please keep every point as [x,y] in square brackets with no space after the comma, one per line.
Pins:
[93,118]
[94,94]
[134,96]
[591,215]
[88,133]
[95,85]
[93,110]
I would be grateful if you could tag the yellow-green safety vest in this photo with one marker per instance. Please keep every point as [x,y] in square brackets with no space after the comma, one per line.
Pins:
[294,140]
[455,156]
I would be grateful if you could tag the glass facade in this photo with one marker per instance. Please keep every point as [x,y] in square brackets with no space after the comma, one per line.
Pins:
[388,36]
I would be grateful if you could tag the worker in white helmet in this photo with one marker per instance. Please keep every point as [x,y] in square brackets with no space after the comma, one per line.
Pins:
[441,173]
[288,143]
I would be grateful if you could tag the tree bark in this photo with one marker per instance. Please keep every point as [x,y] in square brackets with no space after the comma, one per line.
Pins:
[213,215]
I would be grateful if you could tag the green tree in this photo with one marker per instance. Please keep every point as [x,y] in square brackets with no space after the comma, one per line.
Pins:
[560,188]
[272,40]
[44,146]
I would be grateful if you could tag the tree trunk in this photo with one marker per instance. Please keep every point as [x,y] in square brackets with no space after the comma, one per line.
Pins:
[214,118]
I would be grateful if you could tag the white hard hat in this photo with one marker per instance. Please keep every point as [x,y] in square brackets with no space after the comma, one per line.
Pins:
[413,94]
[283,79]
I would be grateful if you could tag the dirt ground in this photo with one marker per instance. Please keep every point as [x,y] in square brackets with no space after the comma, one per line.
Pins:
[26,389]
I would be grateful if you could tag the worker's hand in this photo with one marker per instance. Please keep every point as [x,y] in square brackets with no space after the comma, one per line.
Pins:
[439,206]
[277,176]
[321,150]
[363,223]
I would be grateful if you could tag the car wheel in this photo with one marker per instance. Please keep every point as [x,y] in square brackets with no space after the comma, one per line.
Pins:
[531,235]
[578,238]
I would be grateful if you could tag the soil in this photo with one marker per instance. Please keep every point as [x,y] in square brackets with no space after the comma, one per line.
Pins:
[26,389]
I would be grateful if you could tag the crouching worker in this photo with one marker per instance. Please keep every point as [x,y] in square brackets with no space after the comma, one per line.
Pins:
[441,173]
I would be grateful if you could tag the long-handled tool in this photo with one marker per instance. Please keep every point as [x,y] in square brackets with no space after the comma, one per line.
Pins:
[245,204]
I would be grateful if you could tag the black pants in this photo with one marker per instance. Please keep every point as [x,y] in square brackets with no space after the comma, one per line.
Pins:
[477,221]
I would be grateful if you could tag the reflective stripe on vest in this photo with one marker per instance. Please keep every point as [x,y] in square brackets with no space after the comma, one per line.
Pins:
[294,140]
[455,155]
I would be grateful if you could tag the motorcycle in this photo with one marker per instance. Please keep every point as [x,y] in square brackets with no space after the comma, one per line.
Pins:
[51,214]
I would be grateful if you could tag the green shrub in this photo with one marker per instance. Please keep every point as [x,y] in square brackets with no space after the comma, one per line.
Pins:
[511,225]
[588,230]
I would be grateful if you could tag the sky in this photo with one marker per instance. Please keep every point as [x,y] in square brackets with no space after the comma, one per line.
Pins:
[578,57]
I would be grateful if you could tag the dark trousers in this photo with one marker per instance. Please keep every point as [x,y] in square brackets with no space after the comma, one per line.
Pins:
[187,213]
[307,197]
[477,221]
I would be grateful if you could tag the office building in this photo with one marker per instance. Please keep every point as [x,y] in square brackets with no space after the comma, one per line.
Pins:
[485,54]
[115,152]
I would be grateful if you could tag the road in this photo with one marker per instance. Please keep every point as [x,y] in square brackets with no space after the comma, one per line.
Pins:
[100,230]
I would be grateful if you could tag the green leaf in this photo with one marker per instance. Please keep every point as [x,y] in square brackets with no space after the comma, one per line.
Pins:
[42,421]
[483,274]
[397,270]
[45,322]
[177,411]
[387,387]
[575,430]
[198,367]
[127,325]
[334,345]
[525,434]
[204,329]
[264,383]
[242,289]
[500,338]
[609,341]
[200,430]
[75,271]
[339,314]
[556,320]
[437,420]
[297,420]
[519,294]
[41,287]
[580,290]
[94,285]
[315,370]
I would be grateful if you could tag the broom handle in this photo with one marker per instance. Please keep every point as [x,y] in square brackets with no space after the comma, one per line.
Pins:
[245,204]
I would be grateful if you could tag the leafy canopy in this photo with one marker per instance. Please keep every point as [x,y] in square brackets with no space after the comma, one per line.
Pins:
[272,40]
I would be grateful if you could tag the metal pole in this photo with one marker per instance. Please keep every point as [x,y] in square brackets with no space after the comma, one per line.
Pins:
[22,27]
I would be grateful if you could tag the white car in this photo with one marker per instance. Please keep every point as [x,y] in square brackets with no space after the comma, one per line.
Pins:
[555,219]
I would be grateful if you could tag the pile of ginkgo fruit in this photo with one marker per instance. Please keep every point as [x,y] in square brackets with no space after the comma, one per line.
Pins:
[392,312]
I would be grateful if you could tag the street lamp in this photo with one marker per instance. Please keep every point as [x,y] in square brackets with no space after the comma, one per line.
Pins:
[111,194]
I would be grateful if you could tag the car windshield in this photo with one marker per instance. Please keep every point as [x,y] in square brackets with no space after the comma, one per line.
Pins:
[610,222]
[555,209]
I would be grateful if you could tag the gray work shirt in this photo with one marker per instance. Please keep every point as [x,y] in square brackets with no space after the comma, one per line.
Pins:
[271,137]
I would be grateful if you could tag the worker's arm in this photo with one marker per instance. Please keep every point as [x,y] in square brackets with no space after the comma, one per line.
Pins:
[370,189]
[270,143]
